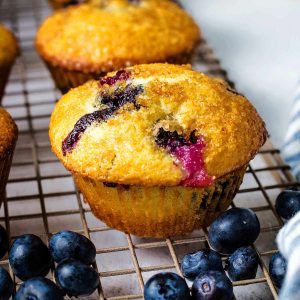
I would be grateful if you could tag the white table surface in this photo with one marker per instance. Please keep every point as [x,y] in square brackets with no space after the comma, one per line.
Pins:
[258,42]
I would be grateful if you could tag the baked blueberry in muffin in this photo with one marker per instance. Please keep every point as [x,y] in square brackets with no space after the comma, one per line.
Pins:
[158,149]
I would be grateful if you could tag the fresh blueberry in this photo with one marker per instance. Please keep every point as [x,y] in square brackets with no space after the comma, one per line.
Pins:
[29,257]
[277,268]
[68,244]
[235,228]
[204,260]
[39,288]
[288,203]
[212,285]
[4,241]
[6,285]
[76,278]
[242,264]
[166,286]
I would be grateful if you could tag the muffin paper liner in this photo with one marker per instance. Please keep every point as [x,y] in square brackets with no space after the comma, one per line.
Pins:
[4,71]
[65,79]
[5,164]
[160,211]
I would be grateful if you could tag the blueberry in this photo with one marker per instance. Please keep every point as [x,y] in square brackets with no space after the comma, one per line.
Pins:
[6,285]
[76,278]
[68,244]
[39,288]
[4,241]
[288,203]
[204,260]
[277,268]
[29,257]
[242,264]
[169,140]
[166,286]
[212,285]
[235,228]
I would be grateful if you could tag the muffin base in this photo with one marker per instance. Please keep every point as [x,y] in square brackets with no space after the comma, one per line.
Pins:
[4,71]
[66,79]
[159,211]
[5,164]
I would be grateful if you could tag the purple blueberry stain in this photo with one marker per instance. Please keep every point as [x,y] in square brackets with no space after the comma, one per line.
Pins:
[189,151]
[121,75]
[169,140]
[113,102]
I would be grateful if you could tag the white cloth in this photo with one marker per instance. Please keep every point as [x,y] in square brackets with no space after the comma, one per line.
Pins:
[288,241]
[291,147]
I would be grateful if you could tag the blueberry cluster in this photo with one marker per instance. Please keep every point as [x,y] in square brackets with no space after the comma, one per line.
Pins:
[31,260]
[71,254]
[232,233]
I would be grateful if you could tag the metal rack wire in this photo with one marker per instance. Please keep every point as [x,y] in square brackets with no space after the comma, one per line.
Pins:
[42,197]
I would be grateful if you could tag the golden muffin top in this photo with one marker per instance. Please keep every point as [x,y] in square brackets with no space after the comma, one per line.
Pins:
[116,33]
[8,132]
[8,47]
[155,124]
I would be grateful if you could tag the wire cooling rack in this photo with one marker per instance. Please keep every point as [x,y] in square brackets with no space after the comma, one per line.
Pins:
[42,198]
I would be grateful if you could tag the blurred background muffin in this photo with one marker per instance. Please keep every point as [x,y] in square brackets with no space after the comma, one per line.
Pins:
[87,41]
[157,150]
[8,53]
[8,138]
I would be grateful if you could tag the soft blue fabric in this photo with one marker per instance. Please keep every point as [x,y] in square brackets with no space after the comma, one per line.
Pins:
[291,147]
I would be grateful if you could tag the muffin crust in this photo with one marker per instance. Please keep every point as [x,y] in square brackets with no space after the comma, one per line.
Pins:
[9,132]
[122,148]
[114,34]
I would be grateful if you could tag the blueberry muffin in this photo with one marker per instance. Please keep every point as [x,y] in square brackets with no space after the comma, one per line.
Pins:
[157,150]
[8,138]
[8,54]
[86,41]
